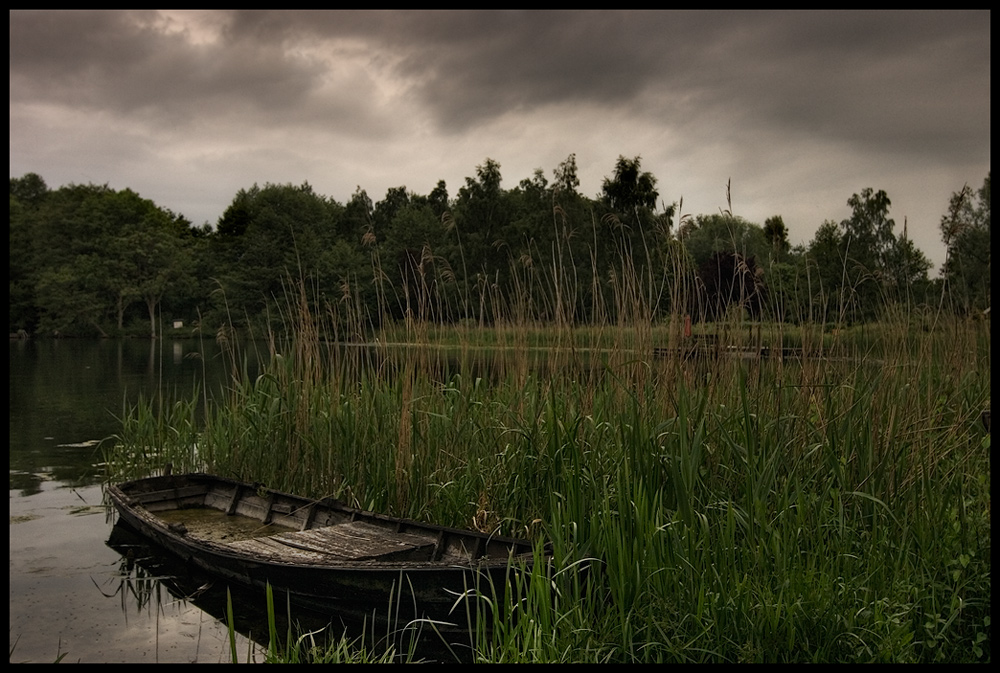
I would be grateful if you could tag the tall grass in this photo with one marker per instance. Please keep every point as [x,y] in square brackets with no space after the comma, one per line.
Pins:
[830,505]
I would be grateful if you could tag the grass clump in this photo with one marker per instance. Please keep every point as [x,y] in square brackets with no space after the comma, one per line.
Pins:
[831,511]
[705,500]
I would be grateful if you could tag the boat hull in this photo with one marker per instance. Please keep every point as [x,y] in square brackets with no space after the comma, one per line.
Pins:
[326,556]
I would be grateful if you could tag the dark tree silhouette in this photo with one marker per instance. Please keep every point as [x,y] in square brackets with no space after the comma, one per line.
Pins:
[728,278]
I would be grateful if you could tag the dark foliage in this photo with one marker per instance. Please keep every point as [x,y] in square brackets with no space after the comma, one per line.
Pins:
[729,279]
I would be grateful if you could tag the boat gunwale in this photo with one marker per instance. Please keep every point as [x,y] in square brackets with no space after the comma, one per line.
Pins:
[128,499]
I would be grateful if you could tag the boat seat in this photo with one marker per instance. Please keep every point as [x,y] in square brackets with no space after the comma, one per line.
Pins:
[330,545]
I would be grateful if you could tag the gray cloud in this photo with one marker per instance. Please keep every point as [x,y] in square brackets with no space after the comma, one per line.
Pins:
[871,76]
[124,64]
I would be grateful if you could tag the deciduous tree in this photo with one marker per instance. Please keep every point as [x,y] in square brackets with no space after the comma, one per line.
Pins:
[965,230]
[776,233]
[630,192]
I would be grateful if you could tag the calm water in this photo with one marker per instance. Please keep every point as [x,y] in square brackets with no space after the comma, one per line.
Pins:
[74,587]
[70,592]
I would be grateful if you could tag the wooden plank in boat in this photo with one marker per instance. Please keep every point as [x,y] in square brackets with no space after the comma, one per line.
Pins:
[355,541]
[168,494]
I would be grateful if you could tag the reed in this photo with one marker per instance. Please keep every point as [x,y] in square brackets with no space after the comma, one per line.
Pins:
[829,505]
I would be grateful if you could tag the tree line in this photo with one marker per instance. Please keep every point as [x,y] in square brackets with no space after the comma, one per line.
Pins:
[87,260]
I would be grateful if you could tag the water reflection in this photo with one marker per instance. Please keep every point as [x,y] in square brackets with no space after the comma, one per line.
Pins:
[149,577]
[67,396]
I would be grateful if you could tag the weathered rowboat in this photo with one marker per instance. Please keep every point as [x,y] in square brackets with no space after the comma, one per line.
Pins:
[327,556]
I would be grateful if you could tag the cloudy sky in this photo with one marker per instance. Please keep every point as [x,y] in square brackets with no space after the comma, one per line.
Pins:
[798,110]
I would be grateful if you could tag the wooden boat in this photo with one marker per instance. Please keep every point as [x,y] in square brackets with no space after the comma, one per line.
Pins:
[327,556]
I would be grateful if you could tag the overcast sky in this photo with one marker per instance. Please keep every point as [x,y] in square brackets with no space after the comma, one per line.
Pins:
[798,110]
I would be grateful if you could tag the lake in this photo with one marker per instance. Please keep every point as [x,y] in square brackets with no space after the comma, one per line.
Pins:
[83,588]
[70,593]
